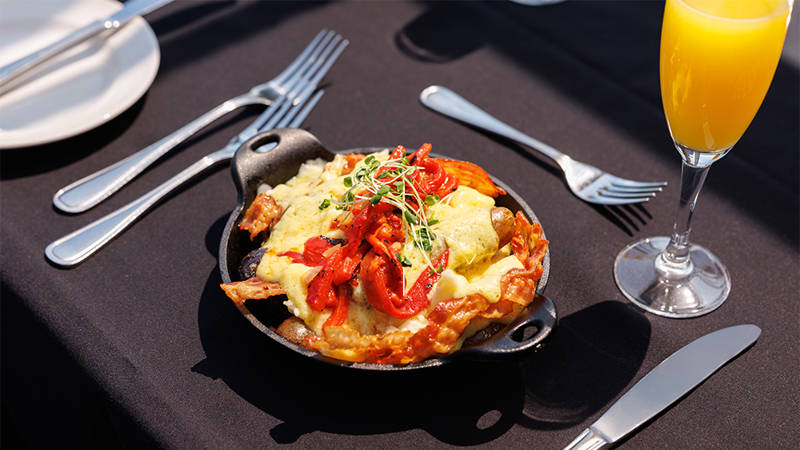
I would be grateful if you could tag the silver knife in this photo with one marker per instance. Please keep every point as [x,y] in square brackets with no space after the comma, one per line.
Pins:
[132,8]
[666,383]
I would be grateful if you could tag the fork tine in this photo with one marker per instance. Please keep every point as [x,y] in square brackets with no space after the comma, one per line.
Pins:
[291,68]
[625,195]
[275,109]
[632,190]
[623,183]
[620,201]
[307,87]
[319,54]
[301,117]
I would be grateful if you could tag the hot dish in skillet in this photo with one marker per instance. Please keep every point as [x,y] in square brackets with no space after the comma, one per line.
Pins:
[389,257]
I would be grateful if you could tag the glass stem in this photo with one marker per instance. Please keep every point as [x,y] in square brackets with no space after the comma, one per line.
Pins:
[674,260]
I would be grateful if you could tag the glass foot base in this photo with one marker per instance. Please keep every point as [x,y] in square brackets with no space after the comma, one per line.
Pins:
[700,291]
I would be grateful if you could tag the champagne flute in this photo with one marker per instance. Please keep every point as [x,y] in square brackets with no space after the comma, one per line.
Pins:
[717,62]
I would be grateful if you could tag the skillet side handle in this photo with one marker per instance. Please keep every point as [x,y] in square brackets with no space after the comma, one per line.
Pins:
[254,162]
[250,167]
[509,343]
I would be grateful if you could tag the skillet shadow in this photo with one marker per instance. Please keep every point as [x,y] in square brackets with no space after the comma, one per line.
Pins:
[314,396]
[593,356]
[587,363]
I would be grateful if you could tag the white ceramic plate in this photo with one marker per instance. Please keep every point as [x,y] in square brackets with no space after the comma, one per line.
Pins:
[80,89]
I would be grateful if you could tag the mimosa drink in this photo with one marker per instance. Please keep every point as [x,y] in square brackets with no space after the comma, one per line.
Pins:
[717,61]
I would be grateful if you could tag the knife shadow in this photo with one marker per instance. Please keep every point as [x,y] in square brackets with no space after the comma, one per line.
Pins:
[663,411]
[593,356]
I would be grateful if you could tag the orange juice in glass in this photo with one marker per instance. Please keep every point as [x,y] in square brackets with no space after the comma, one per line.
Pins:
[717,62]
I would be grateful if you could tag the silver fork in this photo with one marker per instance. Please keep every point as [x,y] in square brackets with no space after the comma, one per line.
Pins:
[290,109]
[587,182]
[89,191]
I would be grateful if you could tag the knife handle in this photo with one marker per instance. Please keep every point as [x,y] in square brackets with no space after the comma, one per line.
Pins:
[588,440]
[10,72]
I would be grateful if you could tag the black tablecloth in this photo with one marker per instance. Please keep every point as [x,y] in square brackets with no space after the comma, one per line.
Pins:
[139,347]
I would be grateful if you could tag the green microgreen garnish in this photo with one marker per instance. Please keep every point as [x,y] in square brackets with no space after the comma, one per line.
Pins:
[325,203]
[390,181]
[431,200]
[404,261]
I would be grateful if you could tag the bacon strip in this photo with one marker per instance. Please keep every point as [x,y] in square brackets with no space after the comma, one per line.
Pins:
[518,286]
[447,322]
[251,289]
[350,161]
[262,214]
[471,175]
[449,318]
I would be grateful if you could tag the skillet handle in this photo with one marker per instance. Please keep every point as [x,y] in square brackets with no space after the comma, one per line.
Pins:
[509,343]
[256,161]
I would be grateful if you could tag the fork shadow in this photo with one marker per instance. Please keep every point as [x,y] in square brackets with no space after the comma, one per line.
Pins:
[628,218]
[612,76]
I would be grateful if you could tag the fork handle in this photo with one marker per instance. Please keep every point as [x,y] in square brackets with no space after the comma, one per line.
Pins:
[73,248]
[93,189]
[447,102]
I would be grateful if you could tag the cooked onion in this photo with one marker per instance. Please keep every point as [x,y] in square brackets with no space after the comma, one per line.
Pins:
[310,274]
[327,253]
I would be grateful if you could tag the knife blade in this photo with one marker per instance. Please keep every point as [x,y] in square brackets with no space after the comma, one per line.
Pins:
[131,9]
[665,384]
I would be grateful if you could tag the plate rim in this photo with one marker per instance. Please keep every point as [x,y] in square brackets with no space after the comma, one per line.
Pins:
[16,139]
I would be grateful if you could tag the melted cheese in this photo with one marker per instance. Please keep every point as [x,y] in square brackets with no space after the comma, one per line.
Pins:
[483,280]
[465,228]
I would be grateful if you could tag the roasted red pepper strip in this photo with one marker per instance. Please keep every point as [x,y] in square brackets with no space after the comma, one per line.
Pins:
[370,238]
[384,289]
[312,251]
[341,265]
[432,179]
[398,152]
[321,290]
[419,292]
[339,313]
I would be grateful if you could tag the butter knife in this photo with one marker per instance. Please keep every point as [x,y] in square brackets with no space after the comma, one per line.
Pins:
[132,8]
[665,384]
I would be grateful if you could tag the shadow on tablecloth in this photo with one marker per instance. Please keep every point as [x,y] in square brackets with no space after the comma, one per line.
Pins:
[591,358]
[598,54]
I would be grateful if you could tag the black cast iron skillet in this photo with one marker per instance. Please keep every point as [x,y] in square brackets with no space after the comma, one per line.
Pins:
[292,147]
